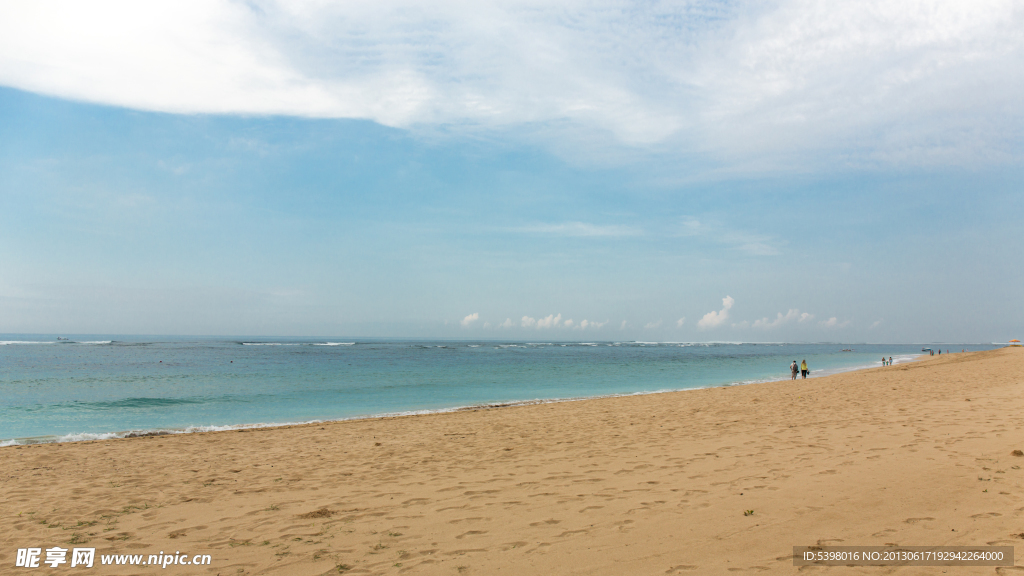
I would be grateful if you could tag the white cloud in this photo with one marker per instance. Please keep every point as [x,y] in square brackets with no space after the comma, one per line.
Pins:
[568,323]
[652,325]
[713,319]
[470,319]
[585,324]
[791,315]
[487,324]
[679,323]
[550,321]
[623,325]
[924,82]
[506,324]
[833,322]
[875,324]
[580,229]
[739,240]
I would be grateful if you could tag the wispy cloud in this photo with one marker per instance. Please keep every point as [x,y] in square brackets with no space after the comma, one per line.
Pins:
[653,325]
[793,315]
[716,318]
[579,229]
[895,82]
[743,241]
[680,322]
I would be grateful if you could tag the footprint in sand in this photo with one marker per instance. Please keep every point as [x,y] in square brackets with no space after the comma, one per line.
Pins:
[680,568]
[473,519]
[624,526]
[916,520]
[465,551]
[986,515]
[470,533]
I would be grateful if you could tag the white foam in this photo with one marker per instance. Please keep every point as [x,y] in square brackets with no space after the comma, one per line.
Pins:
[334,344]
[84,436]
[18,342]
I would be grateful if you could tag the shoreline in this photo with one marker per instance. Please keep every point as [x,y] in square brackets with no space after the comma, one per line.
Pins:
[918,454]
[147,432]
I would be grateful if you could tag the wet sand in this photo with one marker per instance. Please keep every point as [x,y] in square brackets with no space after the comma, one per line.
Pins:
[912,454]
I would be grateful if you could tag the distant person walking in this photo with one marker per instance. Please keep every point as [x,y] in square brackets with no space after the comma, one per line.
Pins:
[803,369]
[793,369]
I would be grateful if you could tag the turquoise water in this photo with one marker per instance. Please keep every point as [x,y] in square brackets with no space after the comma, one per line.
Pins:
[106,386]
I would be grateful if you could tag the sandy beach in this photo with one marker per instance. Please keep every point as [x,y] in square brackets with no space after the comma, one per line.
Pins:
[916,454]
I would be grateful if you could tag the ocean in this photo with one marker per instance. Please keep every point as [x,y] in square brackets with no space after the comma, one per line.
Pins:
[95,387]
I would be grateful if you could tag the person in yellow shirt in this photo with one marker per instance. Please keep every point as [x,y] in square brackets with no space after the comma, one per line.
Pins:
[803,369]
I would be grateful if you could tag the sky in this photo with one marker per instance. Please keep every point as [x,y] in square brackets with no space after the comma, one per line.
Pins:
[792,170]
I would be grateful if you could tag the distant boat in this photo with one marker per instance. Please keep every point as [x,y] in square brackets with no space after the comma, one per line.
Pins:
[60,338]
[847,349]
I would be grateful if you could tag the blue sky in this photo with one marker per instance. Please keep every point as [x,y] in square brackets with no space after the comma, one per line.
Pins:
[761,172]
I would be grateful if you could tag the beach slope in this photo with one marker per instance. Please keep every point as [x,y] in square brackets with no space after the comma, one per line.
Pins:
[698,482]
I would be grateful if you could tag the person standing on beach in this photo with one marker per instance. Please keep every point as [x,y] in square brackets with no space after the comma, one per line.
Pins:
[890,360]
[803,369]
[883,360]
[793,369]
